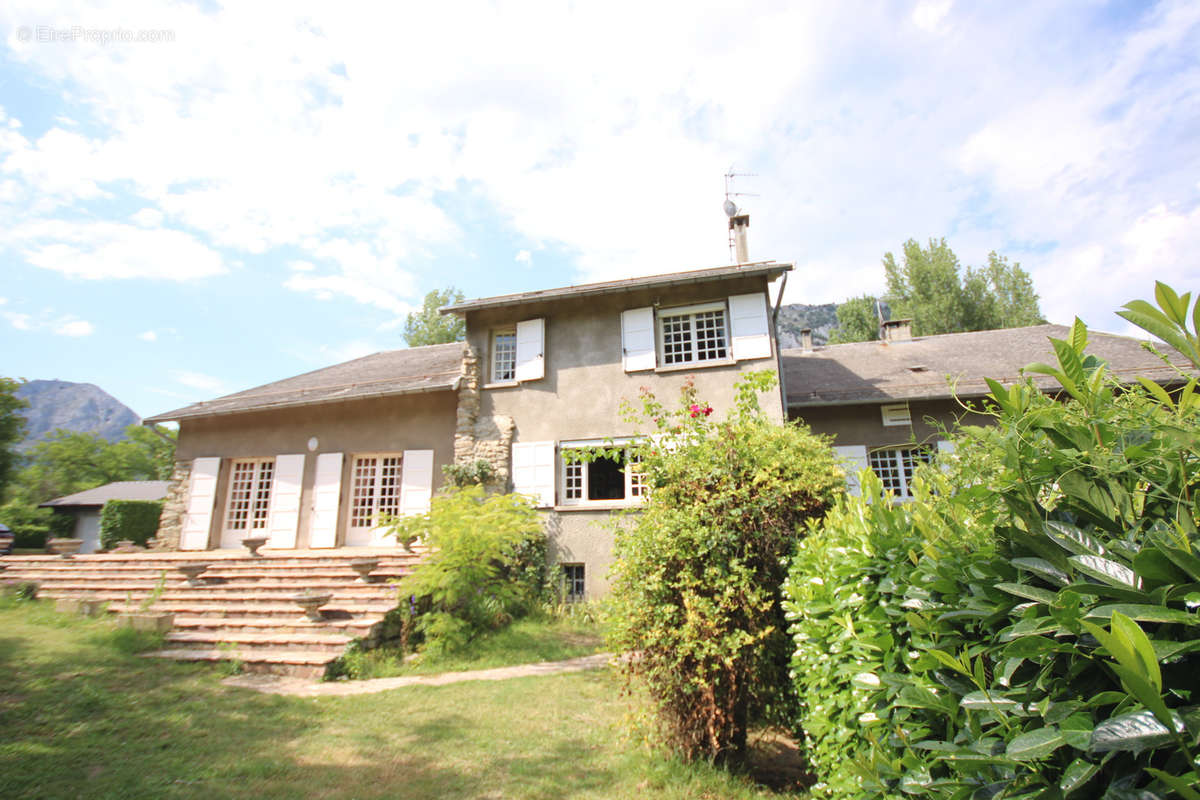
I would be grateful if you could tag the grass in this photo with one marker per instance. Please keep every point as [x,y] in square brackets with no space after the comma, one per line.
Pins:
[83,716]
[526,641]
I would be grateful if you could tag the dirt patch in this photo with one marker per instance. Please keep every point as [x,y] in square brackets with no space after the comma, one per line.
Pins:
[777,762]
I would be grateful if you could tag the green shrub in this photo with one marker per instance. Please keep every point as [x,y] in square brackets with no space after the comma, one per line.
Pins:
[696,583]
[136,520]
[1039,646]
[32,526]
[480,572]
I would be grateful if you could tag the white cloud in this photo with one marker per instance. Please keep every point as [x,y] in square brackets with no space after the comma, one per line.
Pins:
[74,328]
[3,301]
[198,380]
[108,250]
[148,336]
[928,15]
[22,322]
[524,257]
[148,218]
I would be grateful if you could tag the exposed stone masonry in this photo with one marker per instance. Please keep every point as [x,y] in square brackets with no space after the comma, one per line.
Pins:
[170,523]
[475,437]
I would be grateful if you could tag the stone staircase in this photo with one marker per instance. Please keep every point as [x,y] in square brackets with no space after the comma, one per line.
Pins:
[242,608]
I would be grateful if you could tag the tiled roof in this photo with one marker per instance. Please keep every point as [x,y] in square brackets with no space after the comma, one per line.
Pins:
[922,368]
[121,490]
[766,268]
[393,372]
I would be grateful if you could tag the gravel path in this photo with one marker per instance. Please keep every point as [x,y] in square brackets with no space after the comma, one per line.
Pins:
[299,687]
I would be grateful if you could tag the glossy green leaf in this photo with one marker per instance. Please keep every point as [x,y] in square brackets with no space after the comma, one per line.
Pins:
[1185,785]
[1154,565]
[1043,569]
[1134,732]
[988,701]
[1027,592]
[1073,540]
[1145,613]
[1035,744]
[1076,776]
[1107,571]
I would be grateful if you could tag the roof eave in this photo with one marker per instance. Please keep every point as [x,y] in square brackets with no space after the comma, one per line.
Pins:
[617,287]
[179,414]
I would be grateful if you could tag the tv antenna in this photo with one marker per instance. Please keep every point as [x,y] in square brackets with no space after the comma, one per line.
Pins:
[731,208]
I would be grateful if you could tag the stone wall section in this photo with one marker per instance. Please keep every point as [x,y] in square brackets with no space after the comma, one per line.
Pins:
[170,523]
[475,437]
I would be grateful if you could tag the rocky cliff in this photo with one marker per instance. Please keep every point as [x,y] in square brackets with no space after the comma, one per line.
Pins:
[79,407]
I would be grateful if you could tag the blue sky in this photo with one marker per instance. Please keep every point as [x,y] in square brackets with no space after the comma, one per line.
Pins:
[221,195]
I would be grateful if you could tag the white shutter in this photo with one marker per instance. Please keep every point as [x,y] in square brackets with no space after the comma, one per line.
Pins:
[202,494]
[533,471]
[637,339]
[748,322]
[416,482]
[853,459]
[327,494]
[531,350]
[285,501]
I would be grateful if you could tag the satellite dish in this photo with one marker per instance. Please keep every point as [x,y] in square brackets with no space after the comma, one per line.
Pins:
[731,208]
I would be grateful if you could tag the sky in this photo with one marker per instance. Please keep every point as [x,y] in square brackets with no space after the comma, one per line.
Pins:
[197,197]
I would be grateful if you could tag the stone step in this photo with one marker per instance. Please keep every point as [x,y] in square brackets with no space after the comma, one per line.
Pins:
[354,627]
[299,663]
[304,579]
[334,611]
[260,567]
[311,642]
[340,591]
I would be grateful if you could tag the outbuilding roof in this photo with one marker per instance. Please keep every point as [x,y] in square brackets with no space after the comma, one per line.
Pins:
[924,367]
[392,372]
[120,490]
[769,269]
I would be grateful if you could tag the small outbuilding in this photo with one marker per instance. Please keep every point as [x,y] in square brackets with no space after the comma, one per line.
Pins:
[86,506]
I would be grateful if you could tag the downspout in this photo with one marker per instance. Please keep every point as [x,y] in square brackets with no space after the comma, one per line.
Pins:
[779,350]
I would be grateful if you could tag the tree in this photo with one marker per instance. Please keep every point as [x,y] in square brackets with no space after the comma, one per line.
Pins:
[12,429]
[427,326]
[857,321]
[696,582]
[70,461]
[928,286]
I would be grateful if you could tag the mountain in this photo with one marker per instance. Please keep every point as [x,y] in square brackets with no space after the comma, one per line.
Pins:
[75,406]
[795,316]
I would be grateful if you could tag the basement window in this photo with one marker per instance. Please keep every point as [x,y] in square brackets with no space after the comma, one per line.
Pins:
[895,467]
[573,582]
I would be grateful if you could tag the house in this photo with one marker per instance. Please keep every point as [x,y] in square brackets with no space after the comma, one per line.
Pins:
[86,506]
[313,461]
[887,403]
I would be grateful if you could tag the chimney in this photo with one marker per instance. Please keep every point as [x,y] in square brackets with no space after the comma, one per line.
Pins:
[896,330]
[740,225]
[806,340]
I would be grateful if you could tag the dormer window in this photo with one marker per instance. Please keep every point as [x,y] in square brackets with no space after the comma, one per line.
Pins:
[694,334]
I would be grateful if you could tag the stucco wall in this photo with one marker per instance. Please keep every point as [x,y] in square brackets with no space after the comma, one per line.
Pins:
[580,396]
[863,424]
[393,424]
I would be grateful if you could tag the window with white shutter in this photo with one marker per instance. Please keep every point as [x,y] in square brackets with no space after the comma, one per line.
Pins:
[202,496]
[374,496]
[751,330]
[853,459]
[637,339]
[326,498]
[248,504]
[531,350]
[285,500]
[533,471]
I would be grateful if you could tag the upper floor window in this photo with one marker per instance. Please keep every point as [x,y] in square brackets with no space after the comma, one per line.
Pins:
[694,334]
[504,355]
[719,332]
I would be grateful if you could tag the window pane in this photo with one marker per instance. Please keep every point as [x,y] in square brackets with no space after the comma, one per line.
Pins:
[677,339]
[710,335]
[504,357]
[574,581]
[573,483]
[605,480]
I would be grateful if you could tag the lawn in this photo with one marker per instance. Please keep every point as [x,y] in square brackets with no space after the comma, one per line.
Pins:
[81,715]
[524,642]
